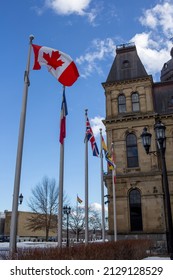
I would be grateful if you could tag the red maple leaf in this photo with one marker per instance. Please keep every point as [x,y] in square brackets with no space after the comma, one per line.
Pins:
[53,59]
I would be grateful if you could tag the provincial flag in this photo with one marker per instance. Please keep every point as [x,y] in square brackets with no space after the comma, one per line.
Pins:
[90,137]
[64,113]
[79,199]
[59,64]
[109,159]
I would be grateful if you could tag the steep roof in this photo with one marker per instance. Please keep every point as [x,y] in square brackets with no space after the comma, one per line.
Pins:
[167,70]
[126,65]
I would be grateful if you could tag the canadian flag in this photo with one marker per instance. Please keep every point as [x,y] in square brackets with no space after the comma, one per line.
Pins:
[59,64]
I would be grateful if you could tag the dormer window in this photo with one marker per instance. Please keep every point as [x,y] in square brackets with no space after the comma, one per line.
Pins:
[121,103]
[165,66]
[126,63]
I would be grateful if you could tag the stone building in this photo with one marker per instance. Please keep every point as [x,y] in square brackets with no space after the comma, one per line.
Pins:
[135,101]
[23,233]
[2,222]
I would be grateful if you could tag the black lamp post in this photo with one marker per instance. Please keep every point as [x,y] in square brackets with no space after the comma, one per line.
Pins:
[67,211]
[161,143]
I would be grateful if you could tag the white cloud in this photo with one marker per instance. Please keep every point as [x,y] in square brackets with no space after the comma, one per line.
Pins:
[154,45]
[150,49]
[67,7]
[160,16]
[151,44]
[98,207]
[99,50]
[97,124]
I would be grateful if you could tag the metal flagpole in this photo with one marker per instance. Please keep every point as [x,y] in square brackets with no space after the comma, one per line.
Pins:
[77,213]
[114,198]
[102,187]
[61,184]
[86,184]
[14,214]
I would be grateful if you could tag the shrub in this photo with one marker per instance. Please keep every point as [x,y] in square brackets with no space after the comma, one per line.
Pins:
[120,250]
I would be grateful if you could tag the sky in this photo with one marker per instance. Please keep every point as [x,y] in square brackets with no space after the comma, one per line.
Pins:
[88,31]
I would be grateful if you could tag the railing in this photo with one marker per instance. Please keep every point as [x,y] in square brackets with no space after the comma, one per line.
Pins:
[126,45]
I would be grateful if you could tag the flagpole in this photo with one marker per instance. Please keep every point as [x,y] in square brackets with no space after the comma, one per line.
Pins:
[114,198]
[86,184]
[14,214]
[77,212]
[102,187]
[61,184]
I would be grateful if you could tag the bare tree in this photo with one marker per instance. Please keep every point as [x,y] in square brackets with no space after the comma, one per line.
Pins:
[94,221]
[77,220]
[44,205]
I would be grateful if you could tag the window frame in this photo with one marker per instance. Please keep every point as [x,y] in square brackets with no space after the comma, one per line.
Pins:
[132,148]
[134,102]
[135,210]
[121,103]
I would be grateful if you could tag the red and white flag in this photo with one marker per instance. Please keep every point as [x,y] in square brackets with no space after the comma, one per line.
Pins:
[59,64]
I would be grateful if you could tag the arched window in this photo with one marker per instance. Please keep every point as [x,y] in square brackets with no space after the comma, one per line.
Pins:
[135,102]
[121,103]
[135,210]
[132,150]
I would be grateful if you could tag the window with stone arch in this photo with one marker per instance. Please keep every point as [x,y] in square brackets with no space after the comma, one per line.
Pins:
[135,210]
[135,102]
[121,103]
[132,150]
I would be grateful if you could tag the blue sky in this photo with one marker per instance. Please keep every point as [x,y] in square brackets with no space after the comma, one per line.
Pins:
[87,30]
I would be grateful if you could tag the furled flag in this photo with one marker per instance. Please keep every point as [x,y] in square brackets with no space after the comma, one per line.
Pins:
[109,159]
[90,137]
[64,113]
[113,158]
[79,199]
[59,64]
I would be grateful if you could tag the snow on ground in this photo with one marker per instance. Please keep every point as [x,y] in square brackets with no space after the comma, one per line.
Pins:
[157,258]
[4,246]
[28,244]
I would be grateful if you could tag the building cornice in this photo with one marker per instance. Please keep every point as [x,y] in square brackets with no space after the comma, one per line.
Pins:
[130,117]
[123,82]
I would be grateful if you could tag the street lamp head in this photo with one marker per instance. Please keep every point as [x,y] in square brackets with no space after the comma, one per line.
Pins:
[160,131]
[66,210]
[20,198]
[146,139]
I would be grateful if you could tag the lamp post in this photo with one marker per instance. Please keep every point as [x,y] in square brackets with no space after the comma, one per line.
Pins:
[67,211]
[161,143]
